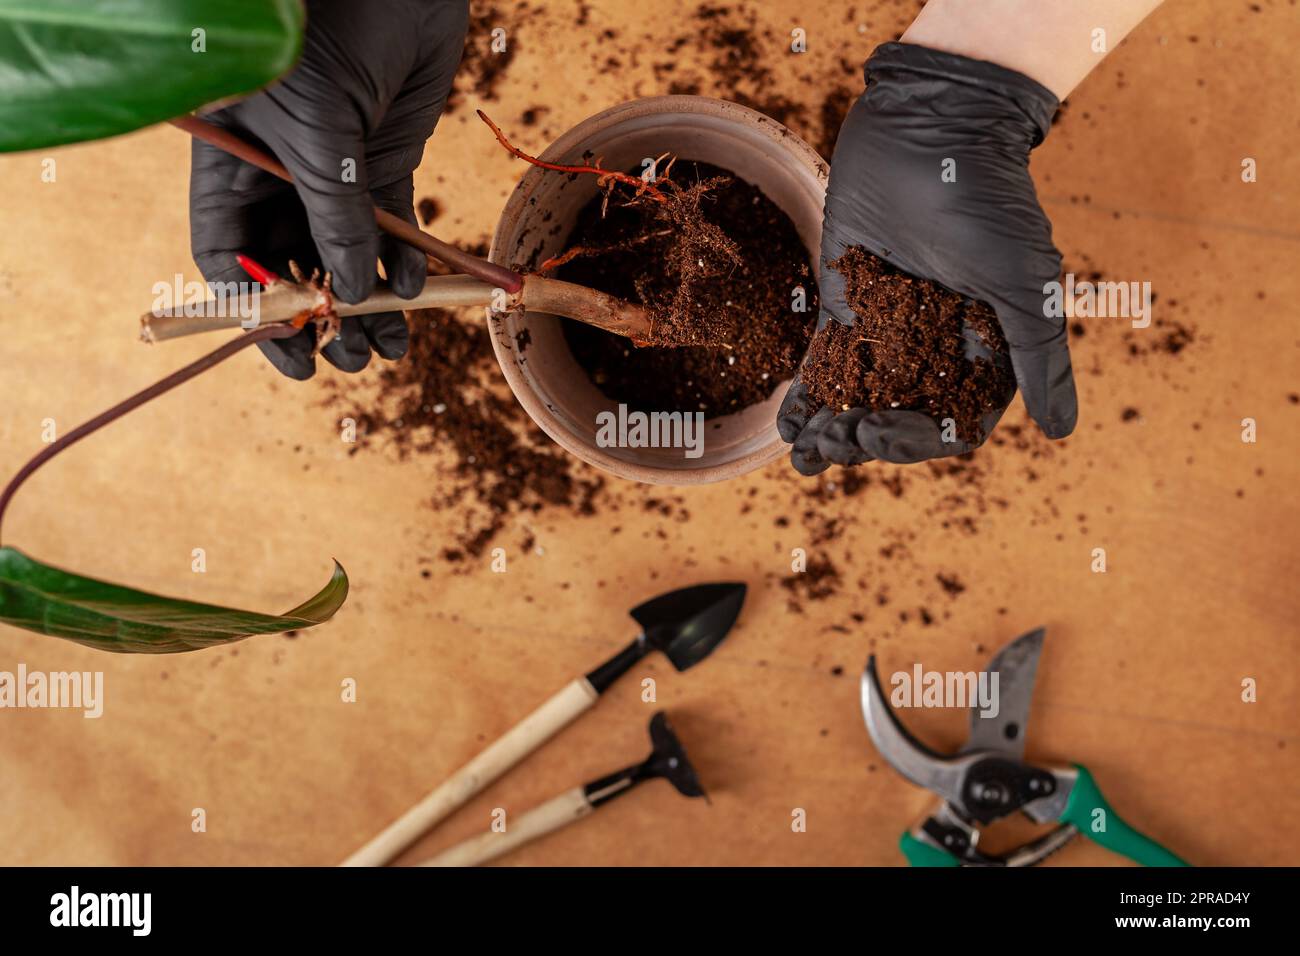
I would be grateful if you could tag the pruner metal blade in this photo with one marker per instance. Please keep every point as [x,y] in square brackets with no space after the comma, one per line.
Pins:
[987,779]
[914,760]
[1016,666]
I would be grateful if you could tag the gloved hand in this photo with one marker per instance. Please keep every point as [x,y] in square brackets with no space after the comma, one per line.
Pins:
[983,235]
[349,122]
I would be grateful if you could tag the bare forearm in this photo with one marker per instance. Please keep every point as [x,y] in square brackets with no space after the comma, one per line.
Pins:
[1052,41]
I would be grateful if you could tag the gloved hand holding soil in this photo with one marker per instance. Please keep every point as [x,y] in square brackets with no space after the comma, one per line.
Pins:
[914,197]
[913,345]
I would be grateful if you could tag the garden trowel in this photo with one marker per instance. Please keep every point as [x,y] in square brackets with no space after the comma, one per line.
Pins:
[686,625]
[667,760]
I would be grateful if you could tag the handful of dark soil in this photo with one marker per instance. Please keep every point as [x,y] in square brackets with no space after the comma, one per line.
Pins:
[906,349]
[718,265]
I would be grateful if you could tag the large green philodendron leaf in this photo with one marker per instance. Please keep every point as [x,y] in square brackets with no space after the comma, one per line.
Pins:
[72,70]
[110,617]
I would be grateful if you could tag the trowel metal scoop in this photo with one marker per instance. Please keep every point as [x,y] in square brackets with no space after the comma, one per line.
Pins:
[686,625]
[667,760]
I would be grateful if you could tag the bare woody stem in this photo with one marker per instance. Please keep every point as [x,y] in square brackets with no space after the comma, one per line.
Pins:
[640,185]
[285,302]
[135,401]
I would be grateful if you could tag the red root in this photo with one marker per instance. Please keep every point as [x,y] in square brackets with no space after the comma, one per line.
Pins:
[556,261]
[642,187]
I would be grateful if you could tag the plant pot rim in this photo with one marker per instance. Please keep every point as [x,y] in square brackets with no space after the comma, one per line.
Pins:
[499,324]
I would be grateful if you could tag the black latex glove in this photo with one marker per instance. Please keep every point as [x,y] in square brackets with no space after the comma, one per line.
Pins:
[984,236]
[371,84]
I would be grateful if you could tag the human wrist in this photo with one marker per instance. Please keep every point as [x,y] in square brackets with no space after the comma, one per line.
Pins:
[1055,42]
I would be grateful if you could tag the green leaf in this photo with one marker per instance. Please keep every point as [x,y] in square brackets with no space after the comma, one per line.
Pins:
[72,70]
[110,617]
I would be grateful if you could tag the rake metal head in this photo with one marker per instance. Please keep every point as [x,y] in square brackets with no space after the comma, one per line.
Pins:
[668,759]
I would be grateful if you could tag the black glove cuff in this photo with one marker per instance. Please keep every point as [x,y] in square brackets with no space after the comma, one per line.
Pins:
[1034,101]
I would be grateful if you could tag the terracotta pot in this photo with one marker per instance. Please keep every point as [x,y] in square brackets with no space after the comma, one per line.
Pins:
[536,223]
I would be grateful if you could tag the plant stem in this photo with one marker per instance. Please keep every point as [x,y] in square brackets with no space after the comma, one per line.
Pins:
[285,301]
[489,272]
[135,401]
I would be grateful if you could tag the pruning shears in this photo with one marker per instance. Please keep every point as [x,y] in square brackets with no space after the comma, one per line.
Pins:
[988,779]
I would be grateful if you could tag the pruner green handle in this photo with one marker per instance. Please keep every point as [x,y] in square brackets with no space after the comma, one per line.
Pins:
[919,853]
[1092,816]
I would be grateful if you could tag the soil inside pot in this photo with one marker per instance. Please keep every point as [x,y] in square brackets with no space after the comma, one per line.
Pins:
[719,267]
[906,349]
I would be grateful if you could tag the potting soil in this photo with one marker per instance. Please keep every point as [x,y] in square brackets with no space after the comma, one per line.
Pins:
[906,349]
[722,269]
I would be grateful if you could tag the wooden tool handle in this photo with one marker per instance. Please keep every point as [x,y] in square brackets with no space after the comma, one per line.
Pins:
[539,821]
[517,743]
